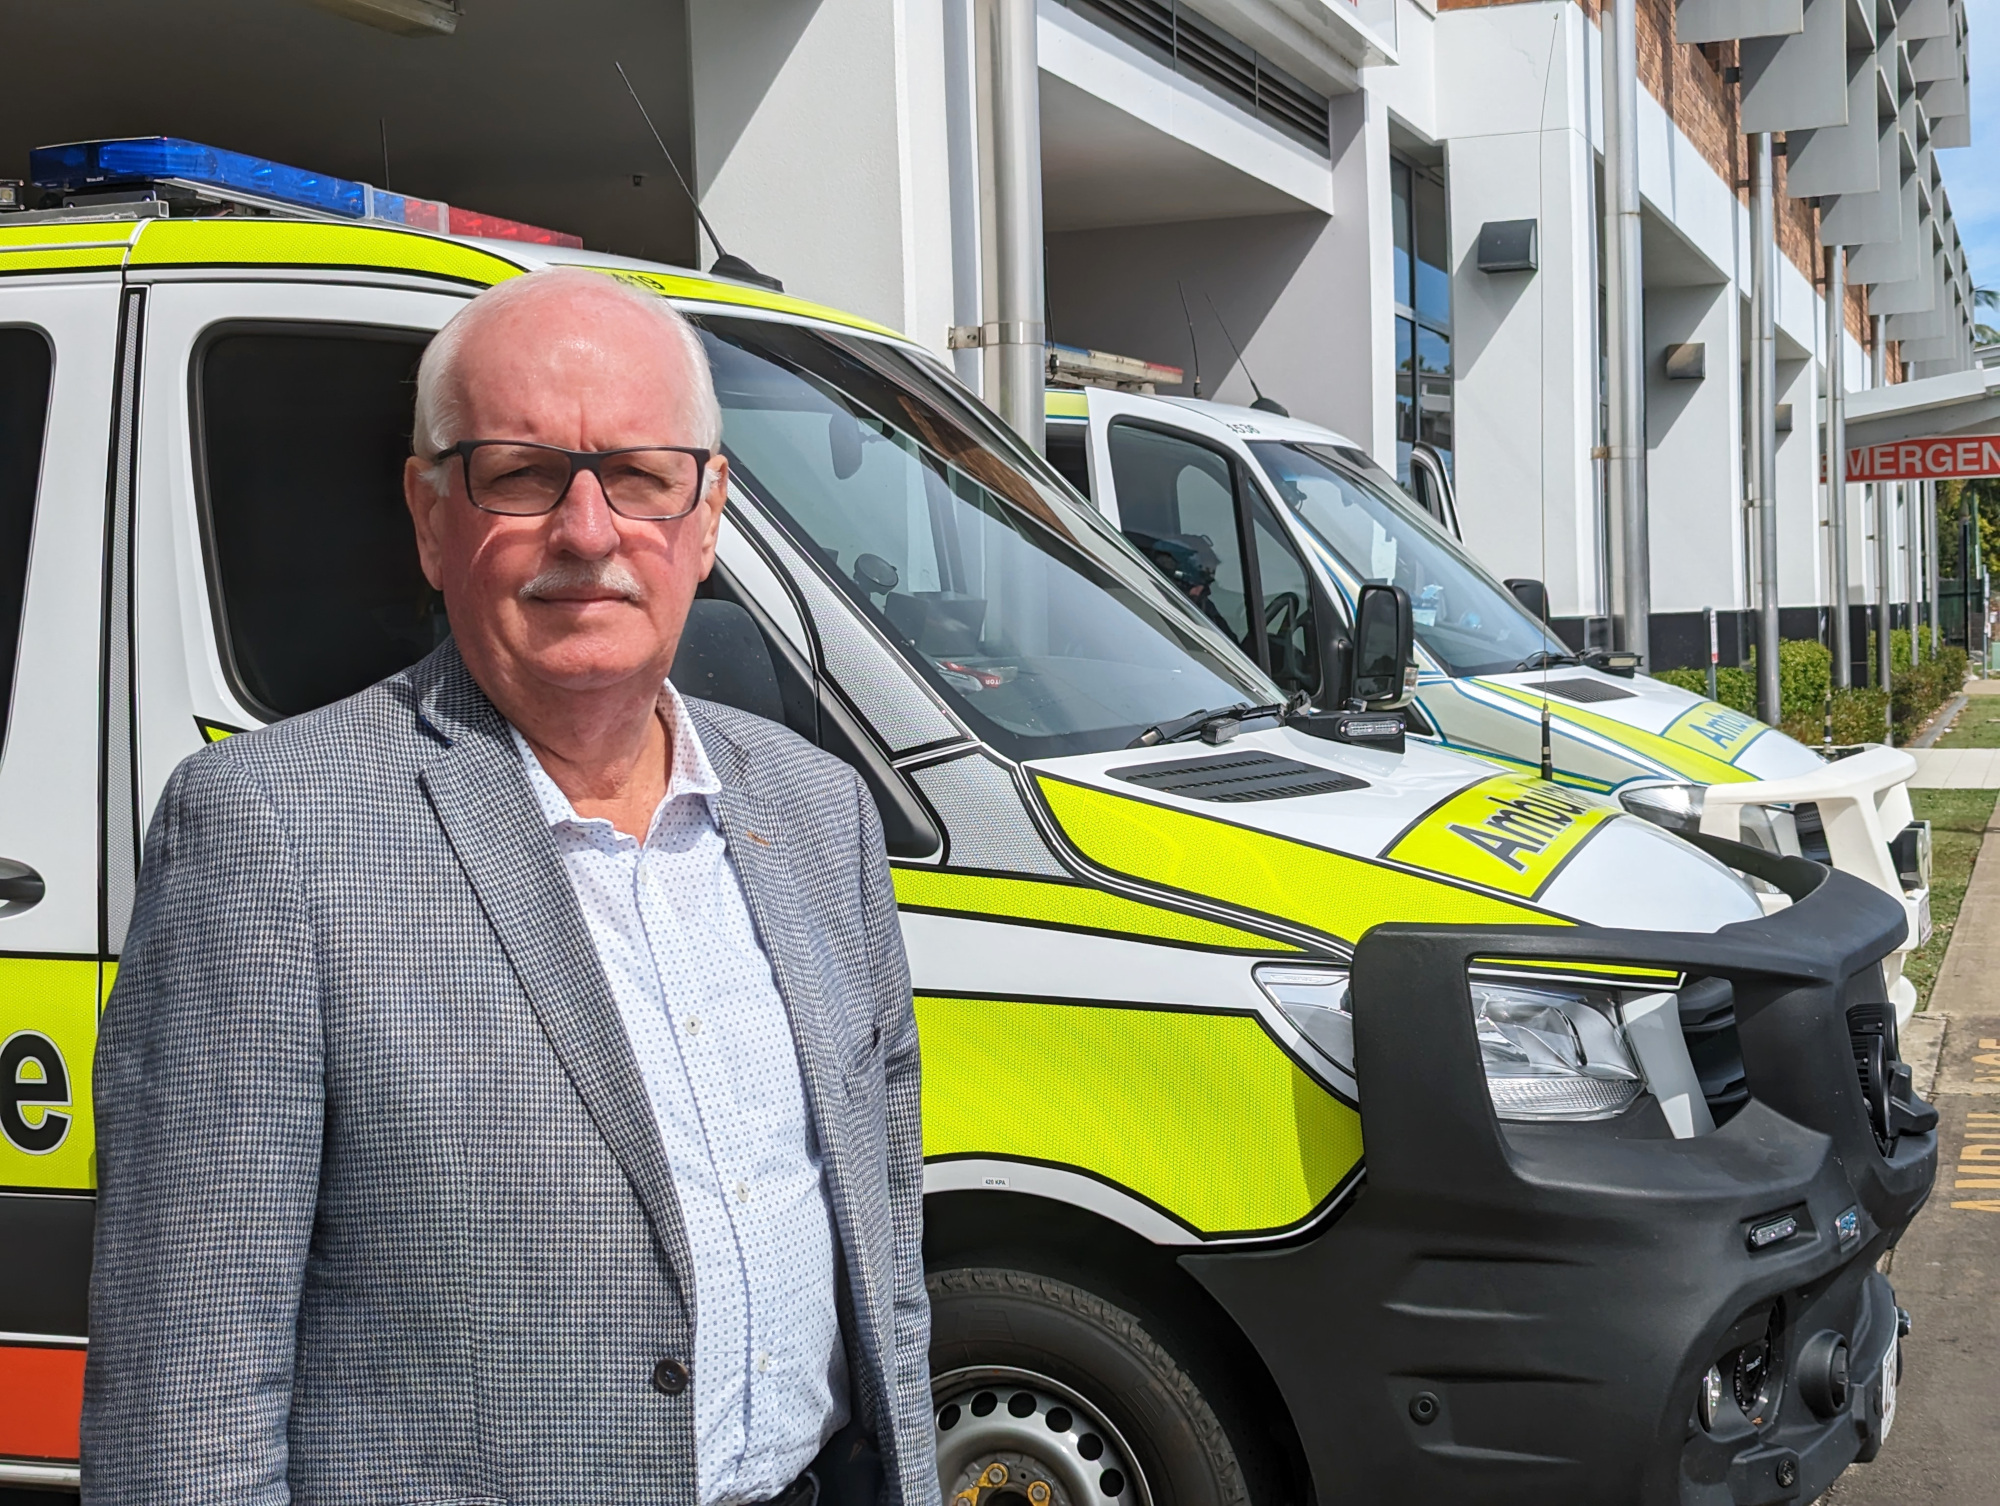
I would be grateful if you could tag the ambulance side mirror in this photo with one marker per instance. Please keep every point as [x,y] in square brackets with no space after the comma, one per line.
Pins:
[1369,673]
[1531,594]
[1385,659]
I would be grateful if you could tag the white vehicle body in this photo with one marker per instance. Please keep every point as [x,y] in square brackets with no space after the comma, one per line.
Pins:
[1617,735]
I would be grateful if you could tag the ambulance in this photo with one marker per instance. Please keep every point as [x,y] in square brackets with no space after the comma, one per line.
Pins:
[1308,1113]
[1247,510]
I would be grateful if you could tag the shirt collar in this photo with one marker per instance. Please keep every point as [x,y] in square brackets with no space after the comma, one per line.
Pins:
[690,774]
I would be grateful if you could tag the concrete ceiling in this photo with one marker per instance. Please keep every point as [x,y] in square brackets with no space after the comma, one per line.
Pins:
[1103,167]
[519,113]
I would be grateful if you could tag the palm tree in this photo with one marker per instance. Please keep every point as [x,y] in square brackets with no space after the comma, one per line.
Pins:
[1985,299]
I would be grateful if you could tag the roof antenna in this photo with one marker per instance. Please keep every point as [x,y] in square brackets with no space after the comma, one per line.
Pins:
[725,265]
[1192,342]
[1263,404]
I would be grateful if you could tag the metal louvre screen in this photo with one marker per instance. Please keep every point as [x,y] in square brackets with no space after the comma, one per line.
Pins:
[1198,50]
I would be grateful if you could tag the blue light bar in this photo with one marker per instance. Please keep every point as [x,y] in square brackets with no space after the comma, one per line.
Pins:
[84,166]
[141,161]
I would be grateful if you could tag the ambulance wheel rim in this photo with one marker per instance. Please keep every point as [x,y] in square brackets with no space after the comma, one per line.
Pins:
[1009,1437]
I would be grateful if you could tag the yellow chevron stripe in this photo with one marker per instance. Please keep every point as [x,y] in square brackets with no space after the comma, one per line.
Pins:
[1203,1115]
[1331,892]
[1056,902]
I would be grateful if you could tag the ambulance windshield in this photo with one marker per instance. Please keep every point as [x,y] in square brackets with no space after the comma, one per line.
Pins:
[1467,621]
[1036,622]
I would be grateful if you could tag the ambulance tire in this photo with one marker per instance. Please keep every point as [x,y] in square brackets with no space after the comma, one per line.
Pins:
[1008,1321]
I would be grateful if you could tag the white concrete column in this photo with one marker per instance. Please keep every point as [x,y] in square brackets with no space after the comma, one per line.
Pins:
[822,150]
[1802,560]
[1694,431]
[1512,103]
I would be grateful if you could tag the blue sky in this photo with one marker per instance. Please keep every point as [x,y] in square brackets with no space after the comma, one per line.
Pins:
[1972,174]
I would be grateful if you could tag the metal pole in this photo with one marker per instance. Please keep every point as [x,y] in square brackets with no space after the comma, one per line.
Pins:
[1714,653]
[1017,328]
[1883,563]
[1625,354]
[1931,569]
[1764,417]
[1913,563]
[1836,457]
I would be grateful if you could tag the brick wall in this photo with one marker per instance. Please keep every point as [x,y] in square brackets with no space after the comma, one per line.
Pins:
[1688,83]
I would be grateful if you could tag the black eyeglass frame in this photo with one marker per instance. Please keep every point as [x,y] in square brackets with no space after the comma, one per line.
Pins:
[580,460]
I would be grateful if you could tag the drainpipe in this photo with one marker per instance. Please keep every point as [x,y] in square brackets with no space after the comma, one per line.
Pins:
[1883,560]
[1764,417]
[1836,456]
[1913,562]
[1016,329]
[1625,354]
[1931,567]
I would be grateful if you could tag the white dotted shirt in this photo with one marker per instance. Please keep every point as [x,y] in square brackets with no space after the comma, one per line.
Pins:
[713,1039]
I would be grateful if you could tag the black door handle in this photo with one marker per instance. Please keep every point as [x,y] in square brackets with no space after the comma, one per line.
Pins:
[21,888]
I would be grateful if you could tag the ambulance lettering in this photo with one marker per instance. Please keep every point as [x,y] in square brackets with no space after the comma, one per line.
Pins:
[34,1089]
[1715,730]
[1512,832]
[1527,824]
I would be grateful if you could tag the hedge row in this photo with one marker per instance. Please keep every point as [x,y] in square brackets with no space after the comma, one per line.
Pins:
[1805,673]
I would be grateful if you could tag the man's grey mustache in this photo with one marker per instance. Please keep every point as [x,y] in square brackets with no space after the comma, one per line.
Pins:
[570,575]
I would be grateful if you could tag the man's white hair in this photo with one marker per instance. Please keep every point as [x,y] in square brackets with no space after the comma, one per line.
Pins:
[441,387]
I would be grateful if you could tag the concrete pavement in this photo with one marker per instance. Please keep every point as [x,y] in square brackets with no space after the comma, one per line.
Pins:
[1956,769]
[1945,1450]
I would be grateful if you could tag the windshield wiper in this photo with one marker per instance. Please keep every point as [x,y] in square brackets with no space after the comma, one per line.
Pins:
[1546,660]
[1216,726]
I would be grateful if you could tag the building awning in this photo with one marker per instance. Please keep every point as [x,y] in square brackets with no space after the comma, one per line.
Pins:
[1959,403]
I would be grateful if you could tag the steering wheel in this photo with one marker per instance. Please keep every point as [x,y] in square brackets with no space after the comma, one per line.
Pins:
[1284,613]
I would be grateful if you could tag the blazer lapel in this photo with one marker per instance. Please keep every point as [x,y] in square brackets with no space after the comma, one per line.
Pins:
[480,793]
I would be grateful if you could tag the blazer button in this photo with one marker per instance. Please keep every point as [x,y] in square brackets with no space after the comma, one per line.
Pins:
[670,1376]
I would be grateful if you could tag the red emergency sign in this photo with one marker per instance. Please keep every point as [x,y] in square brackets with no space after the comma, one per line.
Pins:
[1945,458]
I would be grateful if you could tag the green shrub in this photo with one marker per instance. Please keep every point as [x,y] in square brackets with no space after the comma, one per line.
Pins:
[1805,674]
[1734,688]
[1805,671]
[1858,717]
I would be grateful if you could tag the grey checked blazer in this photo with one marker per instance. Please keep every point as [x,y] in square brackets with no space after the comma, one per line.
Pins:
[384,1214]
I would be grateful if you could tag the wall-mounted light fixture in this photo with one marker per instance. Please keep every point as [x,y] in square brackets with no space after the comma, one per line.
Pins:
[1687,362]
[1507,246]
[405,18]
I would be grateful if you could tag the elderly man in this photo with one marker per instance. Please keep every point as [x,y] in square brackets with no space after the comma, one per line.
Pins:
[510,1090]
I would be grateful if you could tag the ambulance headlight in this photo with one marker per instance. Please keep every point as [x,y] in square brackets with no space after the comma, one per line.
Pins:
[1549,1053]
[1314,999]
[1553,1053]
[1677,807]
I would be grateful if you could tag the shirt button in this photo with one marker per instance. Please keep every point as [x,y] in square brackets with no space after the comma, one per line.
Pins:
[694,1024]
[670,1376]
[742,1193]
[763,1363]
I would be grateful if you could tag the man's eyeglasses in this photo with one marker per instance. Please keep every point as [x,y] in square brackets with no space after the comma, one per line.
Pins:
[647,483]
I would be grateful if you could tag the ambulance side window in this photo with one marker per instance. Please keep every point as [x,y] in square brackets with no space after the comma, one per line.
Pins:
[26,364]
[1177,504]
[1066,445]
[303,430]
[1287,595]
